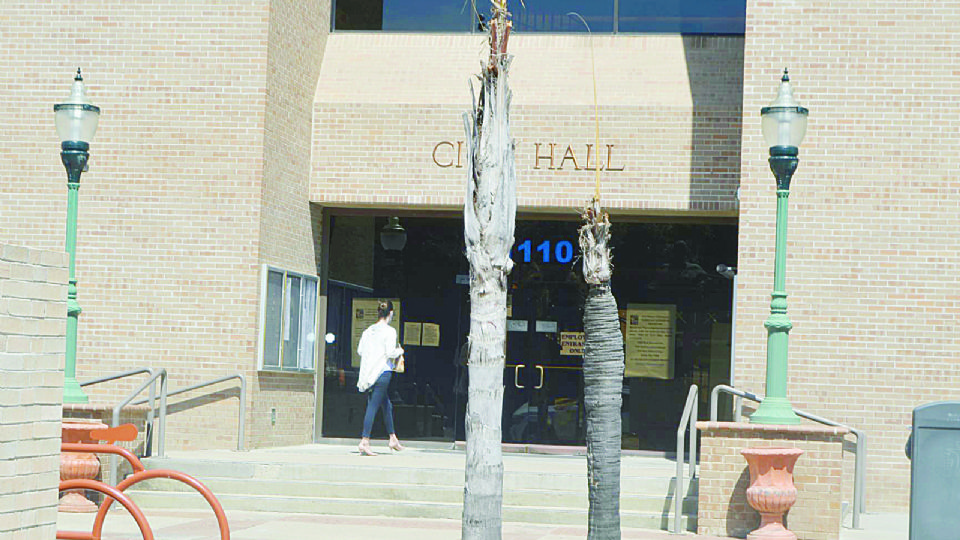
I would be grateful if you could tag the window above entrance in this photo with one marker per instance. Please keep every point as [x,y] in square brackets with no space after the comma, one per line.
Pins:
[550,16]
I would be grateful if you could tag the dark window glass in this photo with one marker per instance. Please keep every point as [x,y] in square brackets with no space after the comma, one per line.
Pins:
[274,311]
[552,15]
[308,323]
[358,15]
[291,323]
[404,15]
[427,15]
[685,16]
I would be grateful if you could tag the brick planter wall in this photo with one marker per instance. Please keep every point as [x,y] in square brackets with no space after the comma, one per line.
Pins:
[724,478]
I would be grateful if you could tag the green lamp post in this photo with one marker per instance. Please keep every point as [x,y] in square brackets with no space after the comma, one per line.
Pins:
[76,122]
[784,125]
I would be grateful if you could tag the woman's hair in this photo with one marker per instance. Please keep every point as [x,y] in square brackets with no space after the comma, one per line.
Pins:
[384,309]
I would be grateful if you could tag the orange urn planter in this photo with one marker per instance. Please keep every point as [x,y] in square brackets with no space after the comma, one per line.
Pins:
[771,490]
[78,465]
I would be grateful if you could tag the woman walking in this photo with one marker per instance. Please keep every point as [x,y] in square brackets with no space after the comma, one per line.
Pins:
[380,355]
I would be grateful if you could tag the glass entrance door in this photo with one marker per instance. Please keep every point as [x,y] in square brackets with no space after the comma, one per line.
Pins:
[543,378]
[543,404]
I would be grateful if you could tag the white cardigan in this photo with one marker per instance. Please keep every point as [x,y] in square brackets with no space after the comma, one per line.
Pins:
[378,347]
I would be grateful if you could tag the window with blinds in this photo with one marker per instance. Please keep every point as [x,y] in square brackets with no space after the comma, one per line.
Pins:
[288,321]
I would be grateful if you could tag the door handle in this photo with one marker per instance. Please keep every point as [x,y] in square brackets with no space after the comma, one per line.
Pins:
[539,386]
[516,376]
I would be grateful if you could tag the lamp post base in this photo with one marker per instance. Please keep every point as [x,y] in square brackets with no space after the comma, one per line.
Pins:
[72,393]
[777,411]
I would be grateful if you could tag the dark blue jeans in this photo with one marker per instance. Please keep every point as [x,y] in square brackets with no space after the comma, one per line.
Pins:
[376,399]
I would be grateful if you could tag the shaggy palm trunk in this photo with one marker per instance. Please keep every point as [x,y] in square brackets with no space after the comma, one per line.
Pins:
[602,377]
[489,215]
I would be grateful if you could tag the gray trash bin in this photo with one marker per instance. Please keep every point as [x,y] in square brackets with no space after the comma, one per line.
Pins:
[935,471]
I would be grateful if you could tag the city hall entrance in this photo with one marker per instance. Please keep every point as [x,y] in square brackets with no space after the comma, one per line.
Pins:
[675,314]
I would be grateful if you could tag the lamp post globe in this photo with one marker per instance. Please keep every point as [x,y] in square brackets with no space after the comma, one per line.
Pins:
[76,122]
[784,124]
[784,121]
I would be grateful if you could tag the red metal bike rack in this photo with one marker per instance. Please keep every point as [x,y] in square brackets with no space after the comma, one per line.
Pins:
[128,432]
[136,478]
[112,493]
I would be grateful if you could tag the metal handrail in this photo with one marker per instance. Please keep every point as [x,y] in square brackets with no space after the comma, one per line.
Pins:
[151,383]
[152,398]
[687,421]
[115,420]
[241,428]
[860,465]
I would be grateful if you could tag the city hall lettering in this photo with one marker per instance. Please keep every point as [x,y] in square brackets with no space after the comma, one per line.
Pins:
[547,156]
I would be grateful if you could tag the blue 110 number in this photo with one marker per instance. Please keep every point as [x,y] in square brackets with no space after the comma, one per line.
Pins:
[562,252]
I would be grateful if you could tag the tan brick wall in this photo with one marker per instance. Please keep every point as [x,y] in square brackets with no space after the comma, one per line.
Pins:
[204,136]
[33,315]
[724,478]
[874,236]
[168,215]
[670,105]
[295,47]
[295,52]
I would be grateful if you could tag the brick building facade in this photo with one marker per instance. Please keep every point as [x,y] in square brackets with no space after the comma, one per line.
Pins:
[204,147]
[231,130]
[874,228]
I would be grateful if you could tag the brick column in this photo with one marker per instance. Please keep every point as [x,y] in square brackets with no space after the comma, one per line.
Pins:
[33,314]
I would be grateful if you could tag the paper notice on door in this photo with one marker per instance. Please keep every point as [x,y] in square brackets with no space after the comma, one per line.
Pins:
[650,337]
[516,326]
[571,343]
[431,335]
[364,315]
[411,333]
[547,327]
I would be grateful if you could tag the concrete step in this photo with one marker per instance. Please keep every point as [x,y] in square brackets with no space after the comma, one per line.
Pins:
[634,480]
[566,498]
[368,507]
[420,482]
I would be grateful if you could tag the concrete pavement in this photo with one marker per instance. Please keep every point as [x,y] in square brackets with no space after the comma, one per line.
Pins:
[201,525]
[879,527]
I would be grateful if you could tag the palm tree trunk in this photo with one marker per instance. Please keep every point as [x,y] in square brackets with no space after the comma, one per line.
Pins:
[489,219]
[602,376]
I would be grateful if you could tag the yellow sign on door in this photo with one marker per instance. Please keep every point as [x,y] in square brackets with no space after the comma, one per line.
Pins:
[650,337]
[431,335]
[571,343]
[411,333]
[364,315]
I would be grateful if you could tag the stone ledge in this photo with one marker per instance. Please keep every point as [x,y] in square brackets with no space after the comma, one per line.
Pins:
[84,409]
[750,429]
